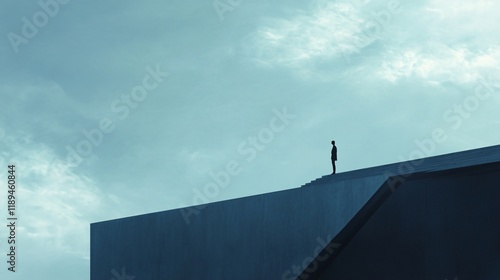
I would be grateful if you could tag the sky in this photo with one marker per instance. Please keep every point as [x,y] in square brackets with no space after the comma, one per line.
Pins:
[119,108]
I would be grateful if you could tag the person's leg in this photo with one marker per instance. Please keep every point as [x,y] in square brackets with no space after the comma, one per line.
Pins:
[333,165]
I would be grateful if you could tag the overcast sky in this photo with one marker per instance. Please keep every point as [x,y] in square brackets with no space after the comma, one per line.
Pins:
[118,108]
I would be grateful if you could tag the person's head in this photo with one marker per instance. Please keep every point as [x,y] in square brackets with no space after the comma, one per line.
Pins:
[333,142]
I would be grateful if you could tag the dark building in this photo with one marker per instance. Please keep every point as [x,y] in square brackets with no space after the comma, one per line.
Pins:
[433,218]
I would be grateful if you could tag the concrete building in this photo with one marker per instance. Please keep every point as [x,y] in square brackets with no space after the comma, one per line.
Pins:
[433,218]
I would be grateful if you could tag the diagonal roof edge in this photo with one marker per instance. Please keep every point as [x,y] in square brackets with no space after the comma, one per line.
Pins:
[429,164]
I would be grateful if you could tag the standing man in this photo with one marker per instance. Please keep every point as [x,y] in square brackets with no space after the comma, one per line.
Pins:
[334,156]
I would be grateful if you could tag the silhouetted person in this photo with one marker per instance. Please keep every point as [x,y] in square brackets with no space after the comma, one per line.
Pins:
[334,156]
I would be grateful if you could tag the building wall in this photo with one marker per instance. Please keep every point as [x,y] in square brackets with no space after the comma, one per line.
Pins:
[441,223]
[270,236]
[442,226]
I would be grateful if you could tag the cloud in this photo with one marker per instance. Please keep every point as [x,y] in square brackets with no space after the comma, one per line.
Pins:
[439,63]
[55,204]
[462,12]
[455,45]
[328,31]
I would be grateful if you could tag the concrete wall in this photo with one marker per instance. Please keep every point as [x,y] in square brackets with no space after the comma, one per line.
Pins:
[443,226]
[271,236]
[438,224]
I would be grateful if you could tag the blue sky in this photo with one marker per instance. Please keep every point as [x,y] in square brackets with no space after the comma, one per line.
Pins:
[170,93]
